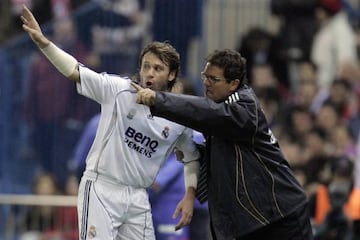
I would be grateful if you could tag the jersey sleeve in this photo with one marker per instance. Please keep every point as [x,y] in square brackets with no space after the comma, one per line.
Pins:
[186,144]
[100,87]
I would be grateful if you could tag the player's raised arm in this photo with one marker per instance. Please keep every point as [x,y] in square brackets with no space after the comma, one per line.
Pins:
[64,62]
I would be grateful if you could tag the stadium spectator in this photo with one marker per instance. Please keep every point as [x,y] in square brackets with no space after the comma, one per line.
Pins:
[41,219]
[334,43]
[329,204]
[115,31]
[170,24]
[292,44]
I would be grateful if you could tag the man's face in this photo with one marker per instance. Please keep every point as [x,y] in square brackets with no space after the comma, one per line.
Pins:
[215,85]
[154,73]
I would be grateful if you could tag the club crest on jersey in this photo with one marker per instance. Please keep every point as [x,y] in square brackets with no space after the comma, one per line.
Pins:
[92,231]
[165,133]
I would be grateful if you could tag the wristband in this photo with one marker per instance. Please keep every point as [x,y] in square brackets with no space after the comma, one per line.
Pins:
[63,61]
[191,174]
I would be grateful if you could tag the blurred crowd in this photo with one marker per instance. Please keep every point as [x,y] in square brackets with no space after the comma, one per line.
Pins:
[307,77]
[306,74]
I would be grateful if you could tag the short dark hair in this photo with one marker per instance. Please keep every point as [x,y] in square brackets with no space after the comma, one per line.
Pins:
[167,54]
[231,61]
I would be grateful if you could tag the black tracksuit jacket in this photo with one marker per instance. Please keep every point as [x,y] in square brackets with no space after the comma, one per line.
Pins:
[250,184]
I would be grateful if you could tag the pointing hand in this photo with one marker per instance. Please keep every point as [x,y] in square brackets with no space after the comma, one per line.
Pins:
[31,26]
[145,96]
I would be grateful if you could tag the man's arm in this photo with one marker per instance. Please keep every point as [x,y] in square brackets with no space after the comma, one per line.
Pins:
[186,205]
[64,62]
[201,113]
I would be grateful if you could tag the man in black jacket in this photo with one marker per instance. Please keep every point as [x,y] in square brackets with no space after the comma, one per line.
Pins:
[252,192]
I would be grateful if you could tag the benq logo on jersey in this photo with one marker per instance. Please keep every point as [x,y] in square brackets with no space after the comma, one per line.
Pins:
[139,142]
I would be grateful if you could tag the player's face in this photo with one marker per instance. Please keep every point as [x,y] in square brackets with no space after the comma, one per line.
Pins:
[215,85]
[154,73]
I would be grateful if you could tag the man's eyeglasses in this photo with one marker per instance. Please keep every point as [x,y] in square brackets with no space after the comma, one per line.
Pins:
[212,79]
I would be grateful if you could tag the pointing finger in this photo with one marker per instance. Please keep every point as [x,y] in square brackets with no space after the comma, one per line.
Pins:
[27,14]
[136,86]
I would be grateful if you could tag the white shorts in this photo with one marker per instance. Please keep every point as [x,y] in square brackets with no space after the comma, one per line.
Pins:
[108,210]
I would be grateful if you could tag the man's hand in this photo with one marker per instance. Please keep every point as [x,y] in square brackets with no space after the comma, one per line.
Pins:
[31,26]
[186,207]
[145,96]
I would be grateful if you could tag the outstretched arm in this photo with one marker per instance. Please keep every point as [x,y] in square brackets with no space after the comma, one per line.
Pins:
[65,63]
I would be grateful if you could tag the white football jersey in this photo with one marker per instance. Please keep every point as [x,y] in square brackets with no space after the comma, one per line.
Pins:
[130,144]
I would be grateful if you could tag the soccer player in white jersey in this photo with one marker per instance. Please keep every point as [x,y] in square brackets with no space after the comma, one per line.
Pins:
[130,144]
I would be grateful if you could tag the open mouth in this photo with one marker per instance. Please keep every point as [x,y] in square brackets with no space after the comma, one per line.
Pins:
[148,84]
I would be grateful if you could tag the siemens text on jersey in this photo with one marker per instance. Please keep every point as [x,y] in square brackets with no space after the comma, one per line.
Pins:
[140,142]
